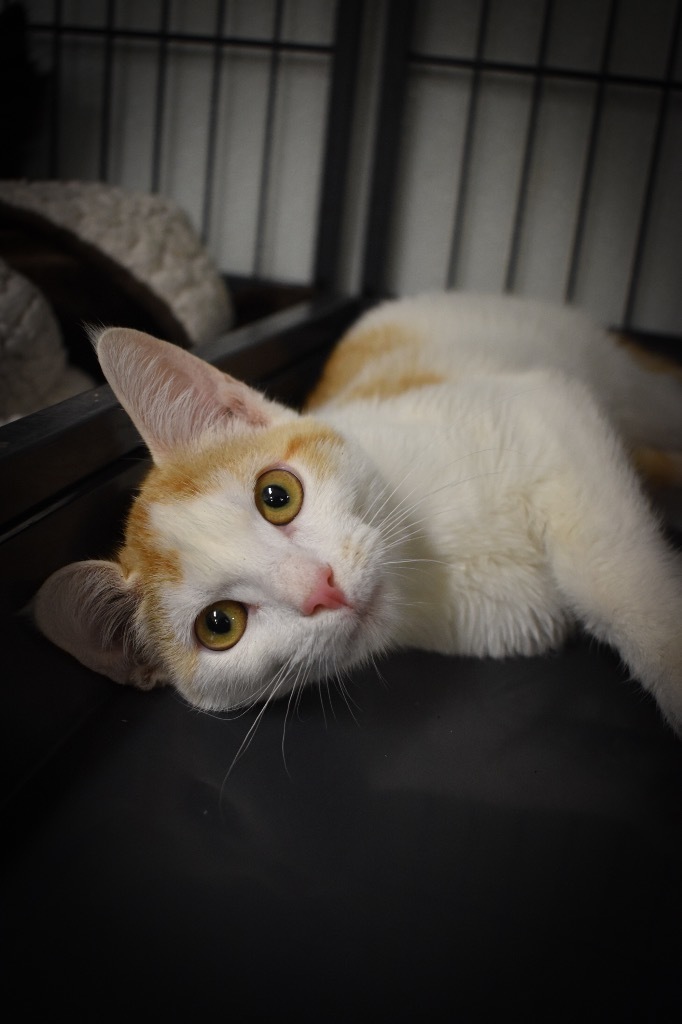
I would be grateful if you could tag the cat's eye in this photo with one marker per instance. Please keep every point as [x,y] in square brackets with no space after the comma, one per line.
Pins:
[279,496]
[221,625]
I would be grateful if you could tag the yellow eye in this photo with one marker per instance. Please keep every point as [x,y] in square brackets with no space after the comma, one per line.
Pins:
[279,496]
[221,625]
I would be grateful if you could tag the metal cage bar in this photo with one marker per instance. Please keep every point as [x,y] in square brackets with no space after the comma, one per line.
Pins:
[654,160]
[216,75]
[341,50]
[401,61]
[160,99]
[55,92]
[107,74]
[340,115]
[398,28]
[263,191]
[528,152]
[588,171]
[467,147]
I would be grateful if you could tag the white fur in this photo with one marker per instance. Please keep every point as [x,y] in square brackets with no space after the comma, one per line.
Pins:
[478,334]
[485,515]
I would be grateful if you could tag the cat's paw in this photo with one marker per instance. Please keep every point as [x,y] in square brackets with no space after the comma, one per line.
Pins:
[667,687]
[670,705]
[657,664]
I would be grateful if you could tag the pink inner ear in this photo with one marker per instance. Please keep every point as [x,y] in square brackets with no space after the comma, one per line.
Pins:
[172,396]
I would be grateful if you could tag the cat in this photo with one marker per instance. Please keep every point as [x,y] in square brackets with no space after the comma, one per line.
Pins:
[452,484]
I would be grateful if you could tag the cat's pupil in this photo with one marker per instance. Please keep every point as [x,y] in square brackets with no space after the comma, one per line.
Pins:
[218,622]
[275,496]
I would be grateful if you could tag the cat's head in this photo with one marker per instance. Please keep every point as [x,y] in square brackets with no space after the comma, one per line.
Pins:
[253,558]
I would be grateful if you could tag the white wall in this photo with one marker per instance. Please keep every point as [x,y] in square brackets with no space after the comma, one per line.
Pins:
[430,169]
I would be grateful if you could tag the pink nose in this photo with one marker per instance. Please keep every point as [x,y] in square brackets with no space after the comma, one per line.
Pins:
[325,594]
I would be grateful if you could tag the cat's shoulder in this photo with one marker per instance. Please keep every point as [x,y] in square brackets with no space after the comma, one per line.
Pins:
[402,345]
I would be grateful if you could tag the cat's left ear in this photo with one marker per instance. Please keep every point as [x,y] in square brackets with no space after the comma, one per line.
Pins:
[172,396]
[86,609]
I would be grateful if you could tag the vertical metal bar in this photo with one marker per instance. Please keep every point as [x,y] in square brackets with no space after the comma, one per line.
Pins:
[394,73]
[340,110]
[654,161]
[467,148]
[590,158]
[105,117]
[268,141]
[160,96]
[529,150]
[213,122]
[55,93]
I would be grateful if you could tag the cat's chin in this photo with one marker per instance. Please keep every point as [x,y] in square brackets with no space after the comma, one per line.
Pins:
[345,638]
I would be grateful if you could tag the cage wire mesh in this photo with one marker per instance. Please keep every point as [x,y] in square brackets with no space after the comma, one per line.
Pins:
[221,106]
[533,147]
[558,126]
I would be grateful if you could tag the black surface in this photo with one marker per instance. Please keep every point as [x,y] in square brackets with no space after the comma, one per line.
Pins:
[464,839]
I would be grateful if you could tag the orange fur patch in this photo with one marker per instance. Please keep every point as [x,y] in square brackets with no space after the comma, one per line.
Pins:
[392,386]
[142,554]
[654,362]
[155,568]
[193,473]
[658,467]
[314,445]
[364,359]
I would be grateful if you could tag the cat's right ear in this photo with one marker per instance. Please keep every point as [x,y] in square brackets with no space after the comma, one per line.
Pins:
[172,396]
[86,608]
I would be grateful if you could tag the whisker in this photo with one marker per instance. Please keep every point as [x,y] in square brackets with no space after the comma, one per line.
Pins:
[301,671]
[347,698]
[453,462]
[412,561]
[377,670]
[401,507]
[327,687]
[246,742]
[443,511]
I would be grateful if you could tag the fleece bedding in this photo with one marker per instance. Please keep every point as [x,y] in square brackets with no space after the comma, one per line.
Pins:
[78,252]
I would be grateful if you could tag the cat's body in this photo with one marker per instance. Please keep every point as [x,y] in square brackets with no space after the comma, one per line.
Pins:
[454,486]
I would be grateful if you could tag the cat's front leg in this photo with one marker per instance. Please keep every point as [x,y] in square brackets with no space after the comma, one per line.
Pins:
[619,577]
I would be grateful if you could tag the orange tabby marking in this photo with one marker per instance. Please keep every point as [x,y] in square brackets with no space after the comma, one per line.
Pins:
[362,366]
[660,468]
[313,444]
[648,360]
[144,558]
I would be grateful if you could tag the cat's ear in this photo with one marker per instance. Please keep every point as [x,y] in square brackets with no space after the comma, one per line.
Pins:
[86,608]
[172,396]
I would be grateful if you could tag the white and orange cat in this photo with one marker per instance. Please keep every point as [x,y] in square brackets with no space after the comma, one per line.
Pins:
[453,485]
